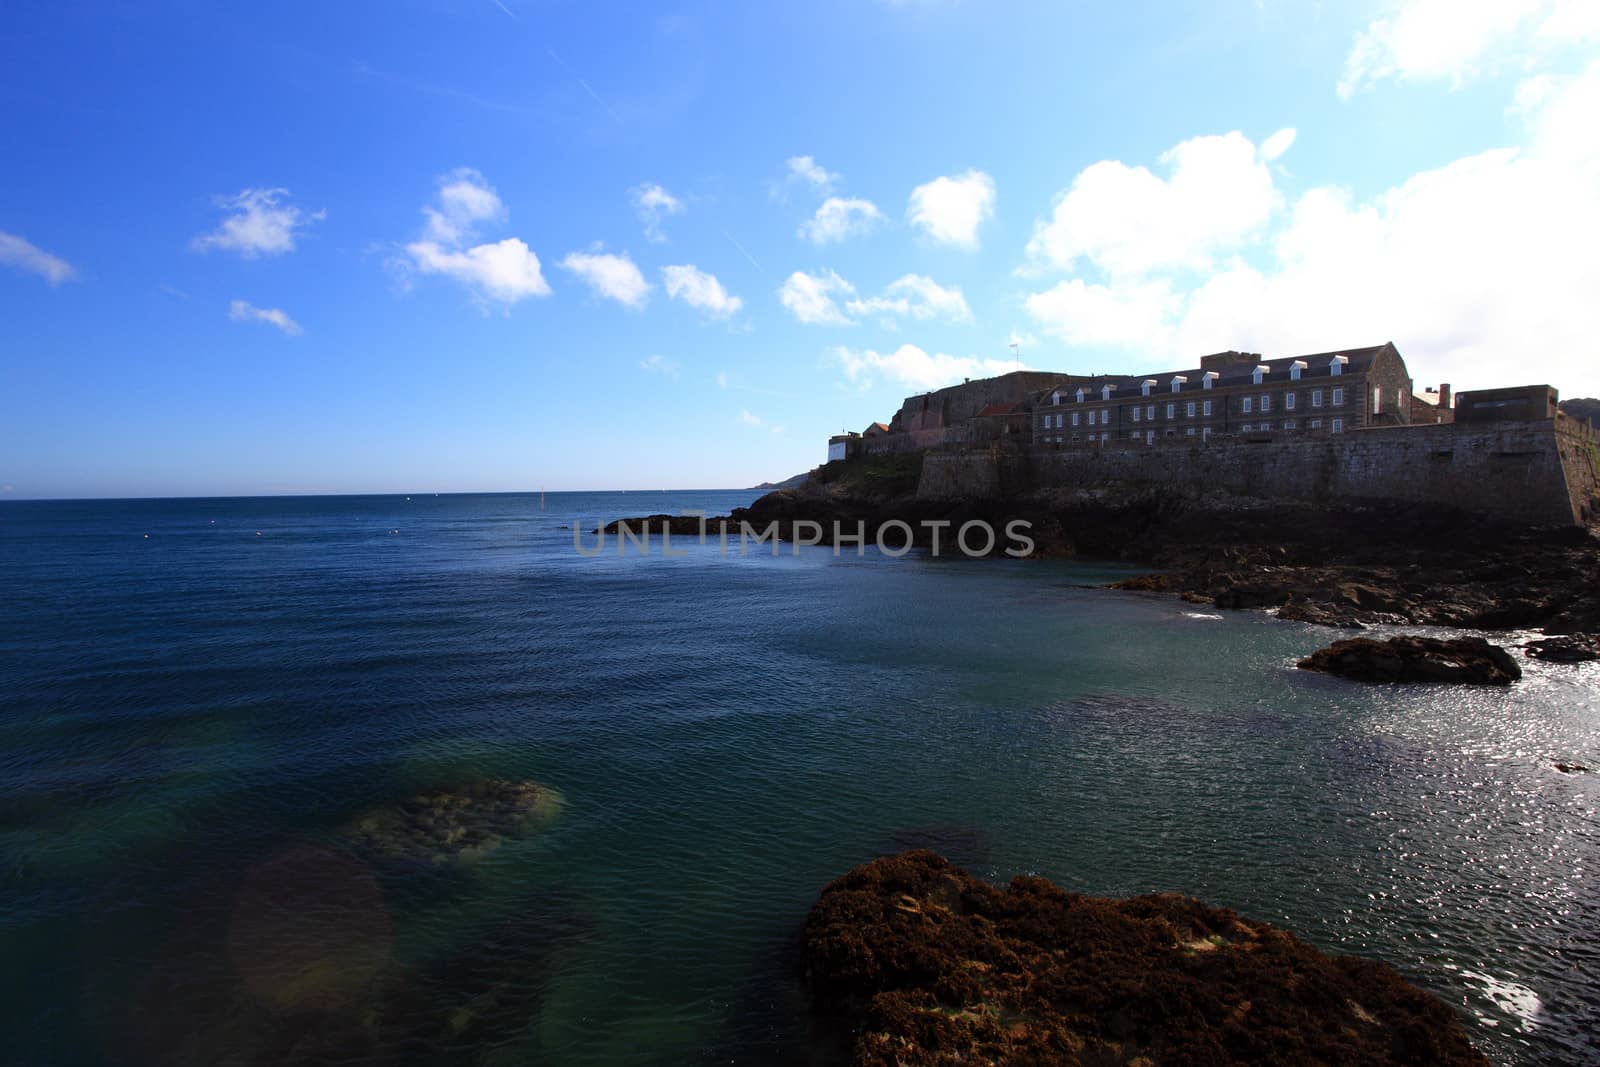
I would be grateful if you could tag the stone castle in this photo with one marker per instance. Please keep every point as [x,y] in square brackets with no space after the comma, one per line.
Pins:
[1343,425]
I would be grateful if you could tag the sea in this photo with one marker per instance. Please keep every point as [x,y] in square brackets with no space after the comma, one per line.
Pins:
[200,698]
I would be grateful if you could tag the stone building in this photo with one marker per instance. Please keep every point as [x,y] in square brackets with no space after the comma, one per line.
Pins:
[1238,394]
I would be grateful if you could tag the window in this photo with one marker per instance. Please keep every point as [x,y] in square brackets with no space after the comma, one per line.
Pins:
[1177,382]
[1205,434]
[1188,410]
[1170,409]
[1316,424]
[1288,401]
[1247,428]
[1149,437]
[1295,368]
[1316,398]
[1144,387]
[1074,418]
[1055,398]
[1136,413]
[1266,402]
[1207,378]
[1080,395]
[1336,365]
[1338,426]
[1265,427]
[1377,400]
[1150,413]
[1244,404]
[1105,439]
[1205,408]
[1257,374]
[1189,432]
[1105,416]
[1338,396]
[1288,424]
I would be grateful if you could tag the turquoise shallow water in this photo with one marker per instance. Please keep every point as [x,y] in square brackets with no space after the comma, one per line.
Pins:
[188,720]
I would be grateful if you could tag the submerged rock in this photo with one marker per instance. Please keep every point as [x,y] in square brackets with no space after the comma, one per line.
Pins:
[924,964]
[1572,768]
[1569,648]
[457,823]
[1464,660]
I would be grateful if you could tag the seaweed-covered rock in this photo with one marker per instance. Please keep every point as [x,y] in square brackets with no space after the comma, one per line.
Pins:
[927,965]
[457,823]
[1464,660]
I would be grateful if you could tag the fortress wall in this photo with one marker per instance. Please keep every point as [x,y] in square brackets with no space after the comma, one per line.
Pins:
[1512,469]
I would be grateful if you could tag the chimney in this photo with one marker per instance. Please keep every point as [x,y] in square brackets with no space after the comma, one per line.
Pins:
[1444,397]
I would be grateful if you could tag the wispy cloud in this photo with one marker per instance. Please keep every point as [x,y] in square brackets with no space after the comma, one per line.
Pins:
[652,203]
[839,218]
[810,297]
[614,277]
[747,419]
[244,311]
[24,255]
[259,222]
[698,289]
[659,364]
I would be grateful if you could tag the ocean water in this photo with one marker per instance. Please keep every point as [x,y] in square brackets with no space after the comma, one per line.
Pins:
[199,698]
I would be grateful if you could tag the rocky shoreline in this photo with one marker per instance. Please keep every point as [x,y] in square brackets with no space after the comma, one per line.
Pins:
[921,963]
[1347,568]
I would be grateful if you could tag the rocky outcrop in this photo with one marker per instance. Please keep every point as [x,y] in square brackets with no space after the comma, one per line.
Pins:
[462,822]
[924,964]
[1461,660]
[1567,648]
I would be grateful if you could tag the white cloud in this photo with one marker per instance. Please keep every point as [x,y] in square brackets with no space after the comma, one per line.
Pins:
[810,298]
[700,290]
[244,311]
[1277,144]
[611,276]
[808,171]
[1127,315]
[722,379]
[259,223]
[501,272]
[1482,271]
[658,364]
[950,210]
[1455,40]
[652,203]
[465,201]
[507,271]
[1127,221]
[910,366]
[839,218]
[918,297]
[747,419]
[23,255]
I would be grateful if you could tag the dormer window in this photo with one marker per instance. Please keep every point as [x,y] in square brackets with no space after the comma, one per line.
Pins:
[1146,385]
[1207,379]
[1055,398]
[1081,392]
[1258,374]
[1106,391]
[1336,364]
[1178,382]
[1295,368]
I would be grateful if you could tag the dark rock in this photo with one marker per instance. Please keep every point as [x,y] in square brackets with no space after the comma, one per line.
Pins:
[1464,660]
[925,964]
[1572,648]
[1572,768]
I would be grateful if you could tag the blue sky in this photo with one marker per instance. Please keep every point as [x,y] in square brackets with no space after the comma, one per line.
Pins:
[513,245]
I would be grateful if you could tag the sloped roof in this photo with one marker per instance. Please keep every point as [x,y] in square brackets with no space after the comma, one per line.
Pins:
[1126,385]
